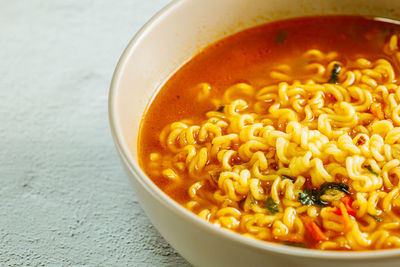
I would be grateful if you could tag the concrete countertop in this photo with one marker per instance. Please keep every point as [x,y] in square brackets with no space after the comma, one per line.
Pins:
[65,199]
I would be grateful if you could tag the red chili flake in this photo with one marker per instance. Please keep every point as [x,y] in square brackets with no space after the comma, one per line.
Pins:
[361,140]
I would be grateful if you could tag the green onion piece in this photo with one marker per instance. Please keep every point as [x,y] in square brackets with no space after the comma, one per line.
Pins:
[271,206]
[288,177]
[378,219]
[334,74]
[306,197]
[369,168]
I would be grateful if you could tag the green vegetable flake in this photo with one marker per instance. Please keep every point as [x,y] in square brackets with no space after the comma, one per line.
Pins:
[334,74]
[306,197]
[220,109]
[338,186]
[369,168]
[313,197]
[378,219]
[288,177]
[271,206]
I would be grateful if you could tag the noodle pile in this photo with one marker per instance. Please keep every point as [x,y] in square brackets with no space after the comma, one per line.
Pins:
[310,161]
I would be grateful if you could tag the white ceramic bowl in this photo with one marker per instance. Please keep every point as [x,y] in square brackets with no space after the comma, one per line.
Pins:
[166,42]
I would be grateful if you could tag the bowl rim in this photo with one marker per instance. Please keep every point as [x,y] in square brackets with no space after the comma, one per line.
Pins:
[174,207]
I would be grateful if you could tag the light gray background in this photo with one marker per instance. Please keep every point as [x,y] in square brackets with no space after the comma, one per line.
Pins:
[64,196]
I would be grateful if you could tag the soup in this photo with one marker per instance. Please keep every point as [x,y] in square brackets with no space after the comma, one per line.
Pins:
[288,132]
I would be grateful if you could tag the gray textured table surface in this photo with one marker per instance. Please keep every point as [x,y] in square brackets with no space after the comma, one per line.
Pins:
[65,199]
